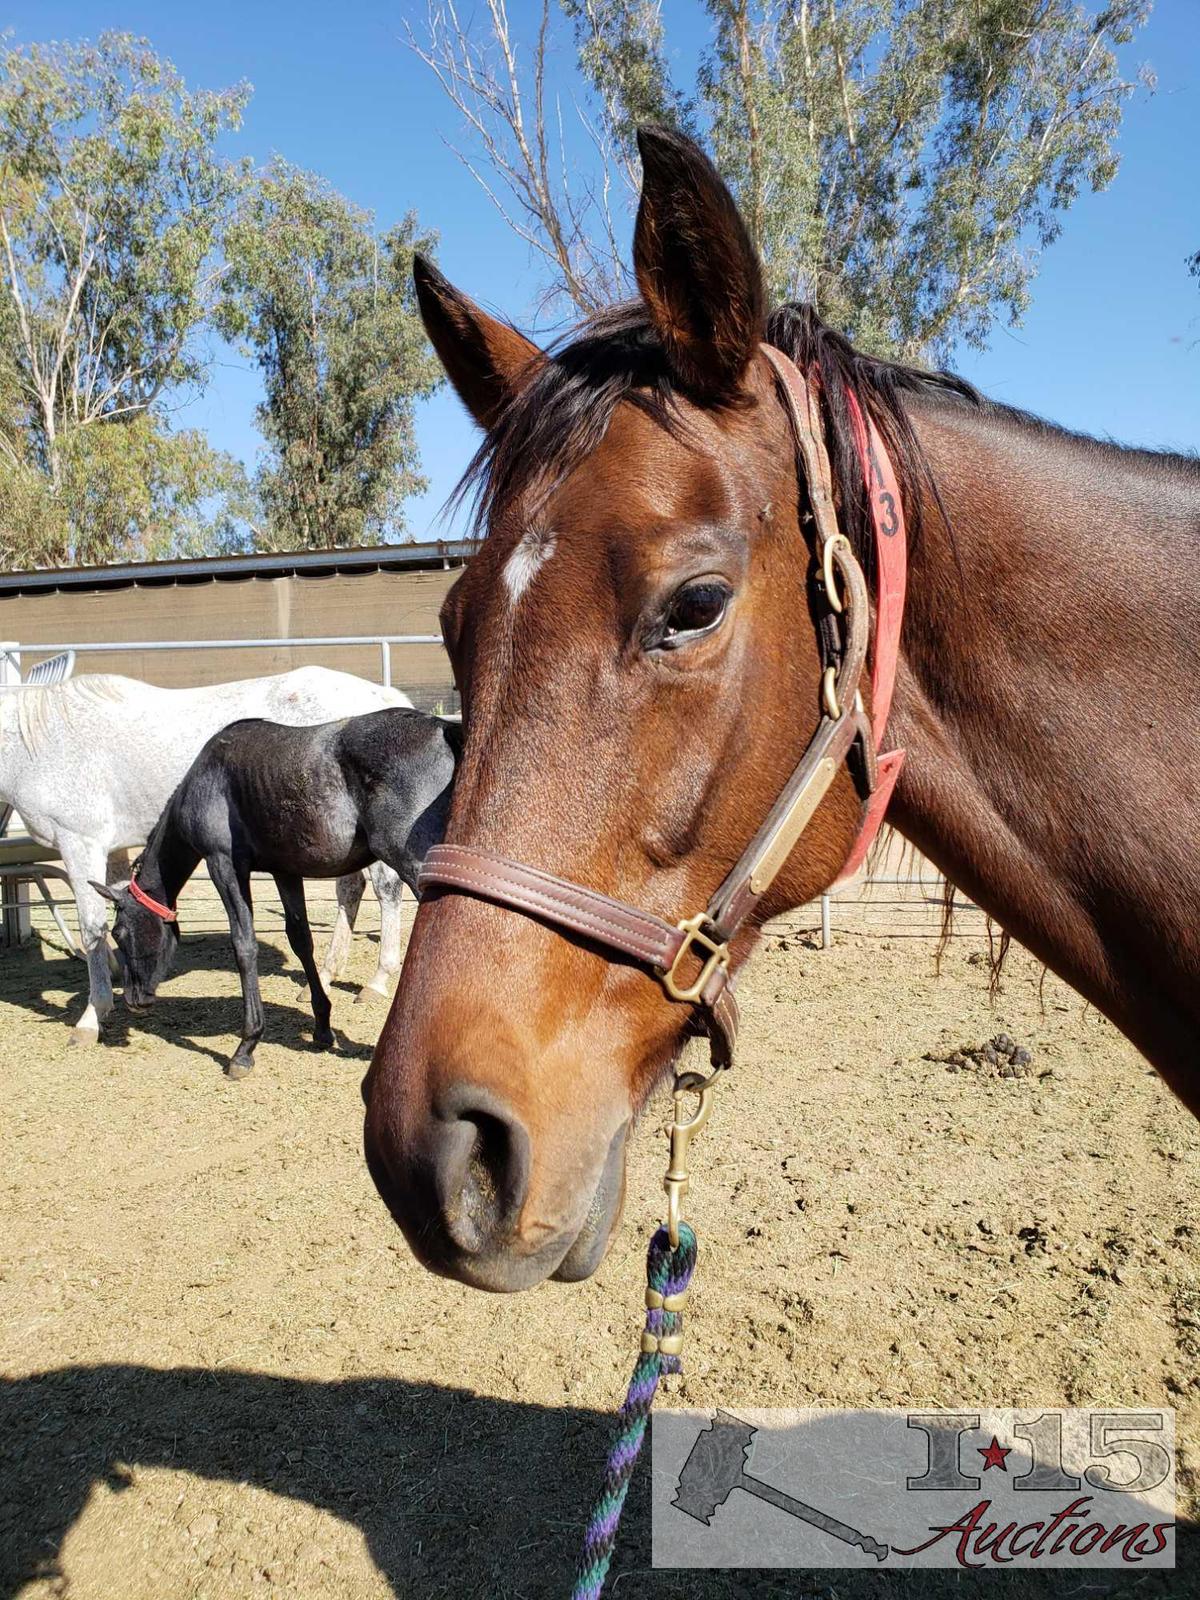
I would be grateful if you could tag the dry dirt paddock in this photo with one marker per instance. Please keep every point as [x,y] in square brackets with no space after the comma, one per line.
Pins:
[224,1376]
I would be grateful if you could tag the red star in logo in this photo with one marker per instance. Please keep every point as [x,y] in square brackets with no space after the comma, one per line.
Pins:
[994,1455]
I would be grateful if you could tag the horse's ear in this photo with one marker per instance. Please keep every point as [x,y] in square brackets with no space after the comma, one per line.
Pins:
[696,266]
[103,888]
[485,359]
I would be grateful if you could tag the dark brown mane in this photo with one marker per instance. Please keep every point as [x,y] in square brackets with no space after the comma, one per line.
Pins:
[880,386]
[563,411]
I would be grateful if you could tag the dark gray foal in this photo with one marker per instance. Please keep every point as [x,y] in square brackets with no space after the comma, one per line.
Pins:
[297,803]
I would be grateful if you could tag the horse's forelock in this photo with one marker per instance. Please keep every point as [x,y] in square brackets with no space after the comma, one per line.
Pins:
[562,413]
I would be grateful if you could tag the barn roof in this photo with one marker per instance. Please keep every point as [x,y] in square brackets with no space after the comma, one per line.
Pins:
[430,556]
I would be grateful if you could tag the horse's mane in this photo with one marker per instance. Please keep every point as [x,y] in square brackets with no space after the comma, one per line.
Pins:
[562,412]
[881,387]
[40,710]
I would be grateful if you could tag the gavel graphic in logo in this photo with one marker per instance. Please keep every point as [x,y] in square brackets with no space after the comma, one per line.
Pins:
[716,1467]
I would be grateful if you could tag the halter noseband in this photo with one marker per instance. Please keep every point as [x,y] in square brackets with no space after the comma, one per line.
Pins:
[843,632]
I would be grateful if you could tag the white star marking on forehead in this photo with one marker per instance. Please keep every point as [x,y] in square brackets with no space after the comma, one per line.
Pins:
[529,555]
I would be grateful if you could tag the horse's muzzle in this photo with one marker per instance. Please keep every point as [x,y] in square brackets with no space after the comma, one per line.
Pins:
[603,1217]
[461,1196]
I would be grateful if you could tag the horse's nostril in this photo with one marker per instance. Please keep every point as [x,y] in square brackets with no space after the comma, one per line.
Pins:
[489,1158]
[483,1174]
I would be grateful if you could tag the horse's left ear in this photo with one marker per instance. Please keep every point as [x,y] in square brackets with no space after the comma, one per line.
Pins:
[696,266]
[103,888]
[486,360]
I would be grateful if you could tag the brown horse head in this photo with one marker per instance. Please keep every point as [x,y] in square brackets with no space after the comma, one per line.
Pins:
[635,649]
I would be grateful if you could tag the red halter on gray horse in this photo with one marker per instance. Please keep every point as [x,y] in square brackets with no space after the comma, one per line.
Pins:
[659,648]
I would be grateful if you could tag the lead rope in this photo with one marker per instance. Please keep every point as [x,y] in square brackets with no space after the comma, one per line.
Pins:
[668,1273]
[670,1262]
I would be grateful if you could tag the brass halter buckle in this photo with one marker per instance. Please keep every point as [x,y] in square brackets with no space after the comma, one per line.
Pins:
[837,547]
[692,929]
[682,1130]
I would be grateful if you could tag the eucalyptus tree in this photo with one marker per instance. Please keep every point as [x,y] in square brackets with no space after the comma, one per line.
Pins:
[901,163]
[326,306]
[113,202]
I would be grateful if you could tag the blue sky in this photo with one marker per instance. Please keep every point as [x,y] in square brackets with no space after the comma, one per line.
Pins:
[1111,344]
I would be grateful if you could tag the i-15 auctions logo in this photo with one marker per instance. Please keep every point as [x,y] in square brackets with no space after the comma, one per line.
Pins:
[968,1489]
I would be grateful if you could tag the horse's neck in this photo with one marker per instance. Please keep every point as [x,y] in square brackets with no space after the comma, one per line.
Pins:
[168,861]
[1048,658]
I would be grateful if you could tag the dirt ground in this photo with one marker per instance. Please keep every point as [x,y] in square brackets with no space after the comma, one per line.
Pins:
[224,1376]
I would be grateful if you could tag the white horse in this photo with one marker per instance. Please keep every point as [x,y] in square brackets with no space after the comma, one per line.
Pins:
[90,763]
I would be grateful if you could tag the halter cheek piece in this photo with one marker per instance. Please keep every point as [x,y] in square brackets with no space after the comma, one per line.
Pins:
[843,632]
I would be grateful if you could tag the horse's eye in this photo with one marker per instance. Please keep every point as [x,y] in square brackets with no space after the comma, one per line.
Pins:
[697,608]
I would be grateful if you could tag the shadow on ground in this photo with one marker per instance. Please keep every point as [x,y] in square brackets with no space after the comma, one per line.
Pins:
[455,1494]
[35,976]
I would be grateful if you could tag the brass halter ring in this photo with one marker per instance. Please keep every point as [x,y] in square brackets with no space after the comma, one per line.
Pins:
[715,954]
[838,544]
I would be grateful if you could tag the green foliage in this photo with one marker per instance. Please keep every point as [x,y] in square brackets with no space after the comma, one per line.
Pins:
[139,492]
[621,53]
[900,162]
[113,203]
[33,529]
[132,492]
[327,307]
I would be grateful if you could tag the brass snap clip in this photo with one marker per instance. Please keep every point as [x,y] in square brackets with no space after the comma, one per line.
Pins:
[683,1129]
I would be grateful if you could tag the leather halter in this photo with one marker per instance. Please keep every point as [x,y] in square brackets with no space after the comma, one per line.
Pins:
[143,899]
[843,631]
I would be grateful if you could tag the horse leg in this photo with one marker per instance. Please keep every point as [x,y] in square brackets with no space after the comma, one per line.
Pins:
[84,859]
[349,898]
[389,891]
[295,921]
[120,868]
[233,885]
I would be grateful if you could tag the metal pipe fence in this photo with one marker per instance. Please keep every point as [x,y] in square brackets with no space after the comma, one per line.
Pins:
[886,906]
[384,641]
[201,909]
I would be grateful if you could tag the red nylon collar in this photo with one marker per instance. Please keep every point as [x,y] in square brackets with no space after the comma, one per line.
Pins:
[143,899]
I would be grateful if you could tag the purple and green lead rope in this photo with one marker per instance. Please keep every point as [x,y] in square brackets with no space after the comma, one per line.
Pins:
[669,1271]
